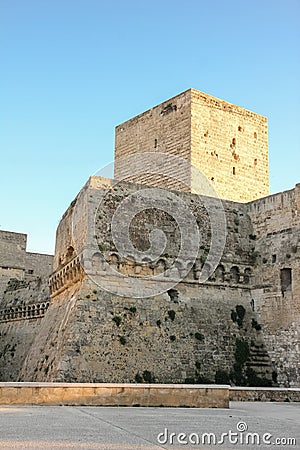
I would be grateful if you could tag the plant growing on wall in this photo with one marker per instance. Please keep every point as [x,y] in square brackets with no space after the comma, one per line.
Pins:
[238,315]
[117,320]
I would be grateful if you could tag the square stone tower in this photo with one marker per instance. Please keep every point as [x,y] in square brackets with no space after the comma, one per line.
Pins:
[227,143]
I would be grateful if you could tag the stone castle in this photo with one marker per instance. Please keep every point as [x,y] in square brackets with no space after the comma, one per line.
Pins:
[110,310]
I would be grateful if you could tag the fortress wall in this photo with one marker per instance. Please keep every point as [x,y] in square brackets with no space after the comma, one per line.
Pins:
[22,310]
[276,221]
[187,334]
[12,258]
[75,234]
[45,356]
[15,262]
[104,199]
[83,342]
[16,341]
[71,233]
[276,225]
[225,142]
[229,145]
[12,249]
[281,325]
[89,333]
[38,264]
[275,213]
[5,275]
[64,238]
[165,128]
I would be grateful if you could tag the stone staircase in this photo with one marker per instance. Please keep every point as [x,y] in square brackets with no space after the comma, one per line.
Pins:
[259,363]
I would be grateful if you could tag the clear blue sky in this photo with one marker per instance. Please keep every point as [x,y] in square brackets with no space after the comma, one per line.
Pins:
[70,70]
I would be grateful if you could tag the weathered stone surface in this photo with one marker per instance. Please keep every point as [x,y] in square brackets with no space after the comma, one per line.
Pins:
[23,307]
[227,143]
[239,394]
[116,317]
[192,333]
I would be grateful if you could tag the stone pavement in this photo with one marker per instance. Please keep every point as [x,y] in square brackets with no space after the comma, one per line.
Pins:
[115,428]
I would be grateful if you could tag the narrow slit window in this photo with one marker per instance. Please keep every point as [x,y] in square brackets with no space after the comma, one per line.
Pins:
[286,280]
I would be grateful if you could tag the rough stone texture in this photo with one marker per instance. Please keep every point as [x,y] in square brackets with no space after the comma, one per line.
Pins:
[12,257]
[22,308]
[165,128]
[16,263]
[200,339]
[12,249]
[238,394]
[24,299]
[227,143]
[167,338]
[103,322]
[38,264]
[190,333]
[276,222]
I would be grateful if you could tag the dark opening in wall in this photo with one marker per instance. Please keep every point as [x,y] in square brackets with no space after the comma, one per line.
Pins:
[247,275]
[233,170]
[274,257]
[240,128]
[70,253]
[173,294]
[255,161]
[220,273]
[234,274]
[286,280]
[233,141]
[255,135]
[155,143]
[168,109]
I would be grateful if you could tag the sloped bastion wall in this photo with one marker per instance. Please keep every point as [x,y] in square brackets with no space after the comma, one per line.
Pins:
[240,325]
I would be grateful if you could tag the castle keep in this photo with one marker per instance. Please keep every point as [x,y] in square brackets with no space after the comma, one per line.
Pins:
[112,314]
[227,143]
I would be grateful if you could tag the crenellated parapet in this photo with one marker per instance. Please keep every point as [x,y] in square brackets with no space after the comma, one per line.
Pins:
[225,273]
[24,312]
[63,278]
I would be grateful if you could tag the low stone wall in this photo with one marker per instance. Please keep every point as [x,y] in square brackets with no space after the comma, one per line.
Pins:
[256,394]
[111,394]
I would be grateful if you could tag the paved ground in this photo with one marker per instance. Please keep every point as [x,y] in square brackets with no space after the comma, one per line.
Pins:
[104,428]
